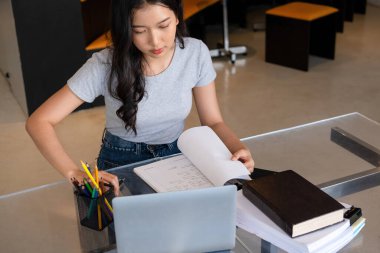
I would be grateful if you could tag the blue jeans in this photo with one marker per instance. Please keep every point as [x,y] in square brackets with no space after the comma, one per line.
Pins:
[116,152]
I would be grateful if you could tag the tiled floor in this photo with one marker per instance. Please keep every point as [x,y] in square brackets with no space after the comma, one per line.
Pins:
[255,97]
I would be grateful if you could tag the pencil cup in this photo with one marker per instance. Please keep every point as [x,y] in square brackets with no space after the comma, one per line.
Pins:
[95,212]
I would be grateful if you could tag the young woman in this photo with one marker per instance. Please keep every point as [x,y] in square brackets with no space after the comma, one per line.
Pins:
[147,77]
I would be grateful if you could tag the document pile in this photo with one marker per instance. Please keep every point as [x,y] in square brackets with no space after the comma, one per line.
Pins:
[329,239]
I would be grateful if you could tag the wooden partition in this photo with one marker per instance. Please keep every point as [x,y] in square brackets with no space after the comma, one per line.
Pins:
[190,8]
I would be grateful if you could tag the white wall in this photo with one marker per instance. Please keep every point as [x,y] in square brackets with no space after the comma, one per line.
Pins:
[9,53]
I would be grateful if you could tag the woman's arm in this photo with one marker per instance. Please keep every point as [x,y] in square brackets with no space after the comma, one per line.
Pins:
[40,126]
[209,114]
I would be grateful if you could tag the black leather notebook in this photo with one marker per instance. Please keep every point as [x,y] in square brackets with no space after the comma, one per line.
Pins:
[293,203]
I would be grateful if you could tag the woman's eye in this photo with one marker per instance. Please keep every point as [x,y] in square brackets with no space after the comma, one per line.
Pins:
[138,31]
[164,26]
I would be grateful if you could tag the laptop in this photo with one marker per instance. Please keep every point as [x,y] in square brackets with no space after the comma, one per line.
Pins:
[202,220]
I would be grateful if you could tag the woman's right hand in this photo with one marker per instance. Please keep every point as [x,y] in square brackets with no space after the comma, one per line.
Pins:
[104,177]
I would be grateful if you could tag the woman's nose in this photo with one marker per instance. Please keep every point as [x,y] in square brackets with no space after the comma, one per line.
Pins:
[154,38]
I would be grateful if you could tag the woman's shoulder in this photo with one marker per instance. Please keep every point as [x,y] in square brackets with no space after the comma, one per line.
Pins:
[103,56]
[193,43]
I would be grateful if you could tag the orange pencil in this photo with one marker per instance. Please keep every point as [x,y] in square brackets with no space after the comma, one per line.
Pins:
[97,182]
[99,218]
[97,174]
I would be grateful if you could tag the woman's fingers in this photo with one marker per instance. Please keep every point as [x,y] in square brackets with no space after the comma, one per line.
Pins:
[80,177]
[112,179]
[244,156]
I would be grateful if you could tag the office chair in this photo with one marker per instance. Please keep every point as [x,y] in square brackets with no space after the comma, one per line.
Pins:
[227,50]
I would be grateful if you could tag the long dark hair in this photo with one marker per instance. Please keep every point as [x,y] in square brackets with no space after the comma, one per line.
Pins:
[127,65]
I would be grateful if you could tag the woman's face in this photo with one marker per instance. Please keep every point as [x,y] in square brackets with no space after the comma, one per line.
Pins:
[154,28]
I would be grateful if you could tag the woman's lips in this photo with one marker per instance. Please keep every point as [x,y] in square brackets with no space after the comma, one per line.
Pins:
[157,51]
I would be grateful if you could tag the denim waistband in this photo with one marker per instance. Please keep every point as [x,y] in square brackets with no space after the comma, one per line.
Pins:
[137,146]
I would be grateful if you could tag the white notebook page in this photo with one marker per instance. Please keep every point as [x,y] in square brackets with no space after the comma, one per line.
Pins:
[173,174]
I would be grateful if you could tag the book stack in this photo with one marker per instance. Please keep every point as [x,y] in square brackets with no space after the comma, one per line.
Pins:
[290,212]
[293,203]
[329,239]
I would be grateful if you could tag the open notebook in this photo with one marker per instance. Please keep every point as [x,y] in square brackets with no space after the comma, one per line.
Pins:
[205,162]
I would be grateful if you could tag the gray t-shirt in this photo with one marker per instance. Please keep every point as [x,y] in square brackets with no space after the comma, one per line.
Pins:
[162,112]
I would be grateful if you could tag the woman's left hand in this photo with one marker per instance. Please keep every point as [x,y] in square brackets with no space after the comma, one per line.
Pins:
[244,156]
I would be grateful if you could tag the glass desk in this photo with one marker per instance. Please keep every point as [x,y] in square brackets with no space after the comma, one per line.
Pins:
[44,219]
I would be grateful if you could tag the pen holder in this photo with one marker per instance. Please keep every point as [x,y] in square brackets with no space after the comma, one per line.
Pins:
[95,213]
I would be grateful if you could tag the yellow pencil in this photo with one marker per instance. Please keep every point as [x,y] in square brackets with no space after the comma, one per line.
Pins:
[91,177]
[108,204]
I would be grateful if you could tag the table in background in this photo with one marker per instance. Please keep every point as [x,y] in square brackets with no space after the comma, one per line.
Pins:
[44,219]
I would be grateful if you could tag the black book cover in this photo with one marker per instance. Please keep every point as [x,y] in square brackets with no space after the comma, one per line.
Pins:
[289,199]
[257,173]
